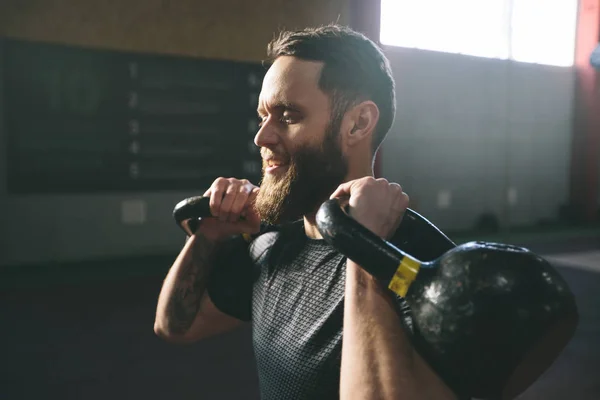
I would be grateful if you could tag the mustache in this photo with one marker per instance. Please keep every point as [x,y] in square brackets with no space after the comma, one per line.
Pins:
[267,154]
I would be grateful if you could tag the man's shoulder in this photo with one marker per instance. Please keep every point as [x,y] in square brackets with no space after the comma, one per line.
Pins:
[271,235]
[289,230]
[266,237]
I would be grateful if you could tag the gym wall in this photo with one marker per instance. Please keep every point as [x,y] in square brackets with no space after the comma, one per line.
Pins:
[471,136]
[61,228]
[223,29]
[475,135]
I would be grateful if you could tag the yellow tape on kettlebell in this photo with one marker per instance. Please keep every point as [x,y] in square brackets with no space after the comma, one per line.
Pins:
[404,276]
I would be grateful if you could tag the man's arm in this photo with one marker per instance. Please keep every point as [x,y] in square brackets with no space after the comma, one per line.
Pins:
[185,312]
[378,360]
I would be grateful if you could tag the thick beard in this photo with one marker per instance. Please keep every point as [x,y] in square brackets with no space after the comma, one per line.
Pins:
[313,174]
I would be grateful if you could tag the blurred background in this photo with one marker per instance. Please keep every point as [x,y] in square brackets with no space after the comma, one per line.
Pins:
[113,111]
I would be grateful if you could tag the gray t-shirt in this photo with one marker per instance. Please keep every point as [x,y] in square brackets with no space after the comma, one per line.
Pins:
[292,290]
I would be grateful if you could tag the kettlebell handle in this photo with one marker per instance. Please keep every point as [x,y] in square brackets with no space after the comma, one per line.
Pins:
[189,211]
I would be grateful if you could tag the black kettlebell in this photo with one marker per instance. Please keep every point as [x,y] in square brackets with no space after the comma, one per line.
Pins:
[490,318]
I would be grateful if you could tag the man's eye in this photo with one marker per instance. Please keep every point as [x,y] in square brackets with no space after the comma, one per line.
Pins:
[261,120]
[288,119]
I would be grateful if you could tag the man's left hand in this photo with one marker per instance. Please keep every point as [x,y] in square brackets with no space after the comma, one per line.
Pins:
[375,203]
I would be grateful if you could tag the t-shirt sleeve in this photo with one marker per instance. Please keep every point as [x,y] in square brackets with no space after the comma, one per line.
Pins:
[231,280]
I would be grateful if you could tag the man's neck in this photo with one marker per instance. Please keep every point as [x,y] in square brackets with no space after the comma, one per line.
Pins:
[310,227]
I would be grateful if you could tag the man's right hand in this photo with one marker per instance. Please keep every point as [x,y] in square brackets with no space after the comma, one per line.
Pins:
[232,208]
[185,312]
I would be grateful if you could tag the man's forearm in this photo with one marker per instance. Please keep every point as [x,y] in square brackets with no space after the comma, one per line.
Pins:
[376,355]
[184,286]
[378,361]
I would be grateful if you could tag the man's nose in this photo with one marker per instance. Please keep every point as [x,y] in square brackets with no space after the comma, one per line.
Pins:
[266,136]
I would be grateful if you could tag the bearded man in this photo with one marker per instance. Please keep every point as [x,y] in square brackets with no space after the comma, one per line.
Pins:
[322,327]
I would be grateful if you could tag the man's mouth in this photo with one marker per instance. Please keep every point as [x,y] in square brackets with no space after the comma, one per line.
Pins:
[273,165]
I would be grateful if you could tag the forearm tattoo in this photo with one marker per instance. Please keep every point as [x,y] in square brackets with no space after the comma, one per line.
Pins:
[190,287]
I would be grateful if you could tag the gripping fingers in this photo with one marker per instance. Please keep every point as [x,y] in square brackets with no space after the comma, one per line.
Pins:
[228,200]
[217,191]
[240,202]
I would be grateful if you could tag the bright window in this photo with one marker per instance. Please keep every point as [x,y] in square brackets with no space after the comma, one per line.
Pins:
[537,31]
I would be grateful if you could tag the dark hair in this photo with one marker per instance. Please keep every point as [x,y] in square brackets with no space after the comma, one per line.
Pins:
[355,69]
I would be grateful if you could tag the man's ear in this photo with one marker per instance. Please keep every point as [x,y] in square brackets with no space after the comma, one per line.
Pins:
[360,123]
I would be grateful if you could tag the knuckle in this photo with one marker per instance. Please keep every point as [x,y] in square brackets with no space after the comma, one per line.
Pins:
[396,187]
[369,181]
[219,182]
[242,195]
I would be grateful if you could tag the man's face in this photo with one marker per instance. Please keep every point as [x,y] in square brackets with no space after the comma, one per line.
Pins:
[302,159]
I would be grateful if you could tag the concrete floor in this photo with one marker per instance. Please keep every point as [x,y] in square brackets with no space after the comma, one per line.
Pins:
[94,340]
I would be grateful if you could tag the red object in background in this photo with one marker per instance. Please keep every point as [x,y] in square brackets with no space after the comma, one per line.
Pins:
[586,127]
